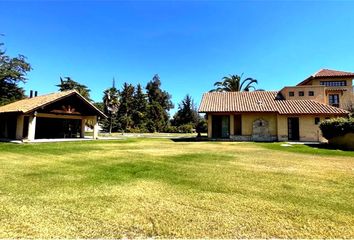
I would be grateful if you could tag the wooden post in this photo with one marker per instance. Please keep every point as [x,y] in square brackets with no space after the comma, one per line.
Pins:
[210,126]
[95,128]
[82,132]
[19,127]
[32,127]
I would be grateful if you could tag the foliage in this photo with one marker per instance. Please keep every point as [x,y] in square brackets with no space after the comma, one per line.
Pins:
[202,126]
[125,110]
[337,127]
[140,106]
[13,70]
[186,128]
[111,104]
[70,84]
[171,129]
[159,104]
[187,113]
[234,83]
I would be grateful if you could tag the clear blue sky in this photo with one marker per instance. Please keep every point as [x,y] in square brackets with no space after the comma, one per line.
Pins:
[189,44]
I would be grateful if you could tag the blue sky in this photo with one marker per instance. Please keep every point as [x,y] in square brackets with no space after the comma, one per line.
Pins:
[190,44]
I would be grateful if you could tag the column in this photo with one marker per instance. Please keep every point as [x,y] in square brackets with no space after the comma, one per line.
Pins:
[95,128]
[232,125]
[32,127]
[83,124]
[19,127]
[210,125]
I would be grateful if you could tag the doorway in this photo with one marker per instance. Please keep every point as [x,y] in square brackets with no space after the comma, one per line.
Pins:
[293,129]
[221,126]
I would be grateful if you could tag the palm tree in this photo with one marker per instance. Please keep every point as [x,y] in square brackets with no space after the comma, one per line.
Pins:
[111,103]
[233,83]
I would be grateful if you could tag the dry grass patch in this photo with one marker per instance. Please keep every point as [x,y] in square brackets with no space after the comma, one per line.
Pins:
[161,188]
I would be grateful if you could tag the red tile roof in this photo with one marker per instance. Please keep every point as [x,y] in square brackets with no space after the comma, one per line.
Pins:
[332,73]
[262,101]
[327,73]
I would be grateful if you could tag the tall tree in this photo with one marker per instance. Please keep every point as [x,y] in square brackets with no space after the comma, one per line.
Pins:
[13,70]
[159,105]
[126,107]
[139,115]
[234,83]
[69,84]
[111,104]
[187,113]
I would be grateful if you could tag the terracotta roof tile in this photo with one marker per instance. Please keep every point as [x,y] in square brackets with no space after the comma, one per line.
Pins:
[326,73]
[31,104]
[262,101]
[332,73]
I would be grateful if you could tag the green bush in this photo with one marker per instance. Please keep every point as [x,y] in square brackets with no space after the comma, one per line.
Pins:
[337,127]
[186,128]
[202,126]
[171,129]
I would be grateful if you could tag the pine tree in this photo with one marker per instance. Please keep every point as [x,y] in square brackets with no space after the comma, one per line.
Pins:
[125,110]
[159,105]
[187,113]
[140,104]
[70,84]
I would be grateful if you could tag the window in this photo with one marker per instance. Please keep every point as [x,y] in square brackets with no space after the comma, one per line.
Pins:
[291,94]
[311,93]
[333,100]
[301,93]
[317,120]
[333,83]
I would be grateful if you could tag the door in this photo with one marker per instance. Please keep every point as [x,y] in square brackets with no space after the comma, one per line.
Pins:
[220,126]
[293,129]
[237,125]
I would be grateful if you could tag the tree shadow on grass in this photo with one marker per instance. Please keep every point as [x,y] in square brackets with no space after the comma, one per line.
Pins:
[328,147]
[190,139]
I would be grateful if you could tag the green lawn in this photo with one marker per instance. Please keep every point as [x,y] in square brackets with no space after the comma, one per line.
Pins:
[144,187]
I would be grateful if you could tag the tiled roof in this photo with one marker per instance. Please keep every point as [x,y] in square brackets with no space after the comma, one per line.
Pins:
[325,73]
[332,73]
[262,101]
[31,104]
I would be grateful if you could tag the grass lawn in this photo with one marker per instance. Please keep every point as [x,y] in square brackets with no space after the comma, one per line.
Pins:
[144,187]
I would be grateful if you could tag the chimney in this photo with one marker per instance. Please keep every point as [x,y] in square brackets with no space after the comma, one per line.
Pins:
[31,94]
[35,93]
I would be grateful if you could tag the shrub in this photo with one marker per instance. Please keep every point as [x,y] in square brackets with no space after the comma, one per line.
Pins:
[186,128]
[202,126]
[171,129]
[337,127]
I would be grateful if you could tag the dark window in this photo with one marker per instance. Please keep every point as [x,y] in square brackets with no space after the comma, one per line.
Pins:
[291,94]
[333,83]
[311,93]
[317,120]
[333,100]
[301,93]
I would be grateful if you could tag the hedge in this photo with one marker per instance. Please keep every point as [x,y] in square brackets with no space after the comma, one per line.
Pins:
[336,127]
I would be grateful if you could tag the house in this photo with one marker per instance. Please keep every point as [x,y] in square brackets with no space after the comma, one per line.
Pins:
[293,113]
[55,115]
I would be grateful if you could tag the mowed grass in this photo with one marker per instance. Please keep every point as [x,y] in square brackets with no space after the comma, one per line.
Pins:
[161,188]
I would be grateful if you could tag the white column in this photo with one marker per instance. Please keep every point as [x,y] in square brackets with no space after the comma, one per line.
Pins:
[210,126]
[82,132]
[95,128]
[32,127]
[19,127]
